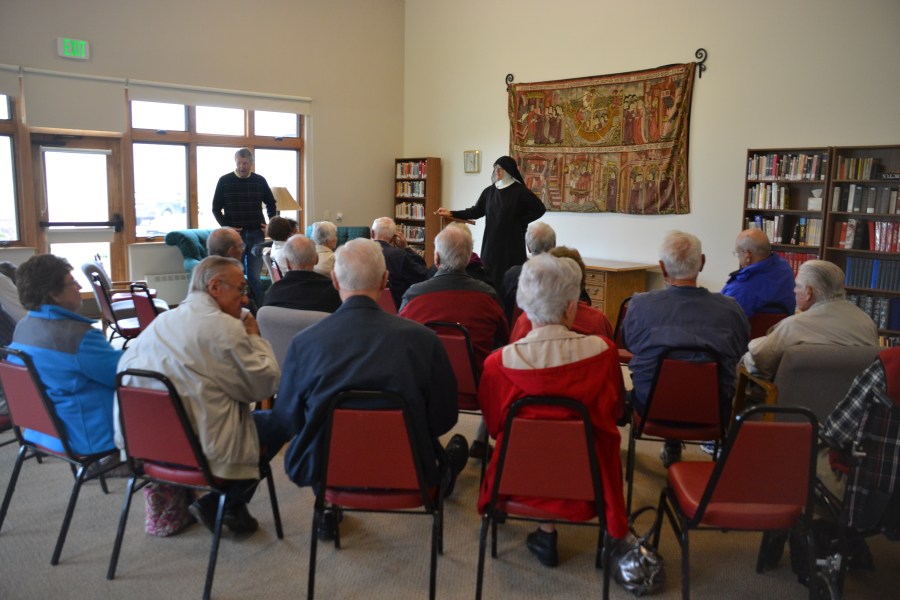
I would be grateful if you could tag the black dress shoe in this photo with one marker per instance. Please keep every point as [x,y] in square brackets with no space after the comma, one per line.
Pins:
[328,527]
[205,513]
[457,452]
[239,520]
[543,545]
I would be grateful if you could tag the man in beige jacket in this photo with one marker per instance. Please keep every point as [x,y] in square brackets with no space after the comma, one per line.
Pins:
[210,348]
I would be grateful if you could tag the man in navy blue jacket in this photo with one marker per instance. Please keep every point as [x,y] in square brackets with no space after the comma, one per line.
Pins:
[363,347]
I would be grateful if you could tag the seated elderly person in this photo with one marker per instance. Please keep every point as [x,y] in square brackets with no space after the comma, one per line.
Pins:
[453,295]
[552,361]
[73,359]
[225,241]
[825,317]
[300,287]
[588,320]
[324,234]
[404,266]
[210,348]
[279,230]
[765,280]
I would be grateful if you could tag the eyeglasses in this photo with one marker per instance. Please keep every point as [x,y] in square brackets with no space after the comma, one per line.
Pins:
[244,289]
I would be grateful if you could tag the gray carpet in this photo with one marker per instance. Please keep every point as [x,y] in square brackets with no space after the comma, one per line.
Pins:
[383,556]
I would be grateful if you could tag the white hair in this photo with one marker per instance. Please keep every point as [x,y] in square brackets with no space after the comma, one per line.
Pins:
[681,254]
[384,229]
[359,265]
[454,245]
[826,279]
[547,286]
[323,232]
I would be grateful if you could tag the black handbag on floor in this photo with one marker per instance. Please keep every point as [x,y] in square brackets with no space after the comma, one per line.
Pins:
[637,566]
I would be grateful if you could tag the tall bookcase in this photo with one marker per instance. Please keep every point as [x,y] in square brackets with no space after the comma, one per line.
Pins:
[417,195]
[785,194]
[854,221]
[863,228]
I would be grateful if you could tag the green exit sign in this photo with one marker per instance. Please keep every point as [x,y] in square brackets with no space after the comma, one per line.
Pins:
[72,48]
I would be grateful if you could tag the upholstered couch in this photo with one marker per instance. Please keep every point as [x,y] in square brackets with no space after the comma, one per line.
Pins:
[191,243]
[346,233]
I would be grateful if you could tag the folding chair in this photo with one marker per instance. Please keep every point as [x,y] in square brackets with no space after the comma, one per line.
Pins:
[274,270]
[144,307]
[127,328]
[762,482]
[544,458]
[683,405]
[386,301]
[619,333]
[458,344]
[30,408]
[370,463]
[162,447]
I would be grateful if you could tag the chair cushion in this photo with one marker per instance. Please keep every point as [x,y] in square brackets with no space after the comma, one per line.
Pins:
[679,431]
[178,475]
[377,499]
[688,480]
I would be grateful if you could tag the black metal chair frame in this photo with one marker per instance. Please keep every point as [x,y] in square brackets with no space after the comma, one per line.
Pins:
[104,299]
[78,463]
[376,400]
[139,480]
[492,516]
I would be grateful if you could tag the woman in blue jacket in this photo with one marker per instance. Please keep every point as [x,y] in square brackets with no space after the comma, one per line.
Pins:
[73,359]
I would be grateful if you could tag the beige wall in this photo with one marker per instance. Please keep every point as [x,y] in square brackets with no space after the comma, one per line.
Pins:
[347,55]
[803,72]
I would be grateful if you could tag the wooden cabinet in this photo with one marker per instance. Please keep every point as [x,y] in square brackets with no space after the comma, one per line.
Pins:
[862,231]
[417,195]
[609,282]
[785,194]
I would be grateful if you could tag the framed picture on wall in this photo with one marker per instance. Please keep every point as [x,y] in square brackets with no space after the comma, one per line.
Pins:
[472,161]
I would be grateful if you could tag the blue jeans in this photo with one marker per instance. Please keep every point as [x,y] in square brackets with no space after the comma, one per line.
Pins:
[252,262]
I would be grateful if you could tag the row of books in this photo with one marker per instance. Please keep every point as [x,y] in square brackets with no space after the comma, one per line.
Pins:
[885,312]
[410,189]
[797,231]
[795,167]
[409,210]
[412,233]
[875,273]
[795,259]
[417,169]
[866,199]
[856,168]
[861,234]
[888,341]
[768,196]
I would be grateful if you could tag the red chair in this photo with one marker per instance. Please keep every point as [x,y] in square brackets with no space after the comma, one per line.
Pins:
[128,328]
[548,459]
[683,405]
[766,318]
[458,344]
[386,301]
[162,447]
[763,482]
[619,333]
[371,463]
[30,408]
[144,307]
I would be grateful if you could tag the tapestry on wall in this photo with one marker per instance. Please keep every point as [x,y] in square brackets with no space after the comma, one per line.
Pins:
[613,143]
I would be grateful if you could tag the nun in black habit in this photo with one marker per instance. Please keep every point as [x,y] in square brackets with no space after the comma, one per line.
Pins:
[508,207]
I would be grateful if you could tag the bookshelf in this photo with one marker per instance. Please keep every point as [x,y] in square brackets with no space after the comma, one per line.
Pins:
[862,231]
[417,195]
[785,193]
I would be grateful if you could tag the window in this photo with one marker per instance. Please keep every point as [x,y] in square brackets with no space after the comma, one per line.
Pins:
[275,124]
[212,163]
[9,229]
[279,167]
[220,121]
[4,108]
[160,116]
[160,202]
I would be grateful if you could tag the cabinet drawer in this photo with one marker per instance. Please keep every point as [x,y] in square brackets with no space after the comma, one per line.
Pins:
[594,277]
[596,292]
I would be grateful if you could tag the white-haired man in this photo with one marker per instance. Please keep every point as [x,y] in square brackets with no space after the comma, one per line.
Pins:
[324,233]
[301,288]
[362,346]
[825,317]
[683,315]
[211,350]
[539,238]
[404,266]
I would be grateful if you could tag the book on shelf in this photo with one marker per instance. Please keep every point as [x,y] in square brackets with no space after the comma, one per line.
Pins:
[840,234]
[851,234]
[889,175]
[869,195]
[892,203]
[882,205]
